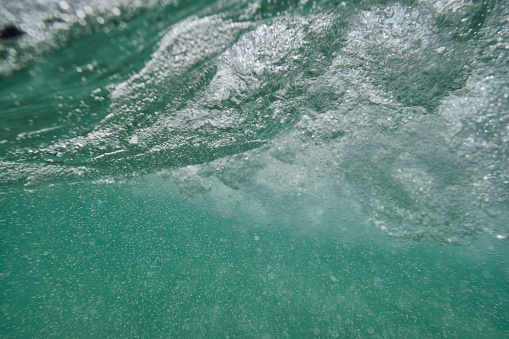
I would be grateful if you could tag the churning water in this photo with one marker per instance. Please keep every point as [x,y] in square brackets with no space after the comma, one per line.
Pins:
[270,168]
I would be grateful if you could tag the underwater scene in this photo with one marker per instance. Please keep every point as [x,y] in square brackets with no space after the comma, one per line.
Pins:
[254,169]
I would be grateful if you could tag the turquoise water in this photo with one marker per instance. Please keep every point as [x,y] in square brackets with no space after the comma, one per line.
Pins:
[254,169]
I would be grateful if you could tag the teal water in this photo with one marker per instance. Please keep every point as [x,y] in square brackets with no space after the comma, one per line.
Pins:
[255,169]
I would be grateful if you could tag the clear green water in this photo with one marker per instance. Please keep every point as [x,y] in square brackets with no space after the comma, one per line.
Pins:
[137,261]
[255,169]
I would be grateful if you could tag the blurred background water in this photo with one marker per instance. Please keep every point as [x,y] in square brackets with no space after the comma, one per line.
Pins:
[256,169]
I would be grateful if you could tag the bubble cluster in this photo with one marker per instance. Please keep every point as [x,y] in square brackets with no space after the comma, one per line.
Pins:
[397,110]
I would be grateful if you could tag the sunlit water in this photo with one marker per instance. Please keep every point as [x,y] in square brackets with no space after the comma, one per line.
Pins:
[254,169]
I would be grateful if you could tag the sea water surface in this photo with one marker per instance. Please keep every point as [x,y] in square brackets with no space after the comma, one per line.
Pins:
[254,169]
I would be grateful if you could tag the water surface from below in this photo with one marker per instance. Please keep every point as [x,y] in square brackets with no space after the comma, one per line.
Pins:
[254,169]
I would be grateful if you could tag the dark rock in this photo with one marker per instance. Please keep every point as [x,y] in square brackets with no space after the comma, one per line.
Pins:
[10,32]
